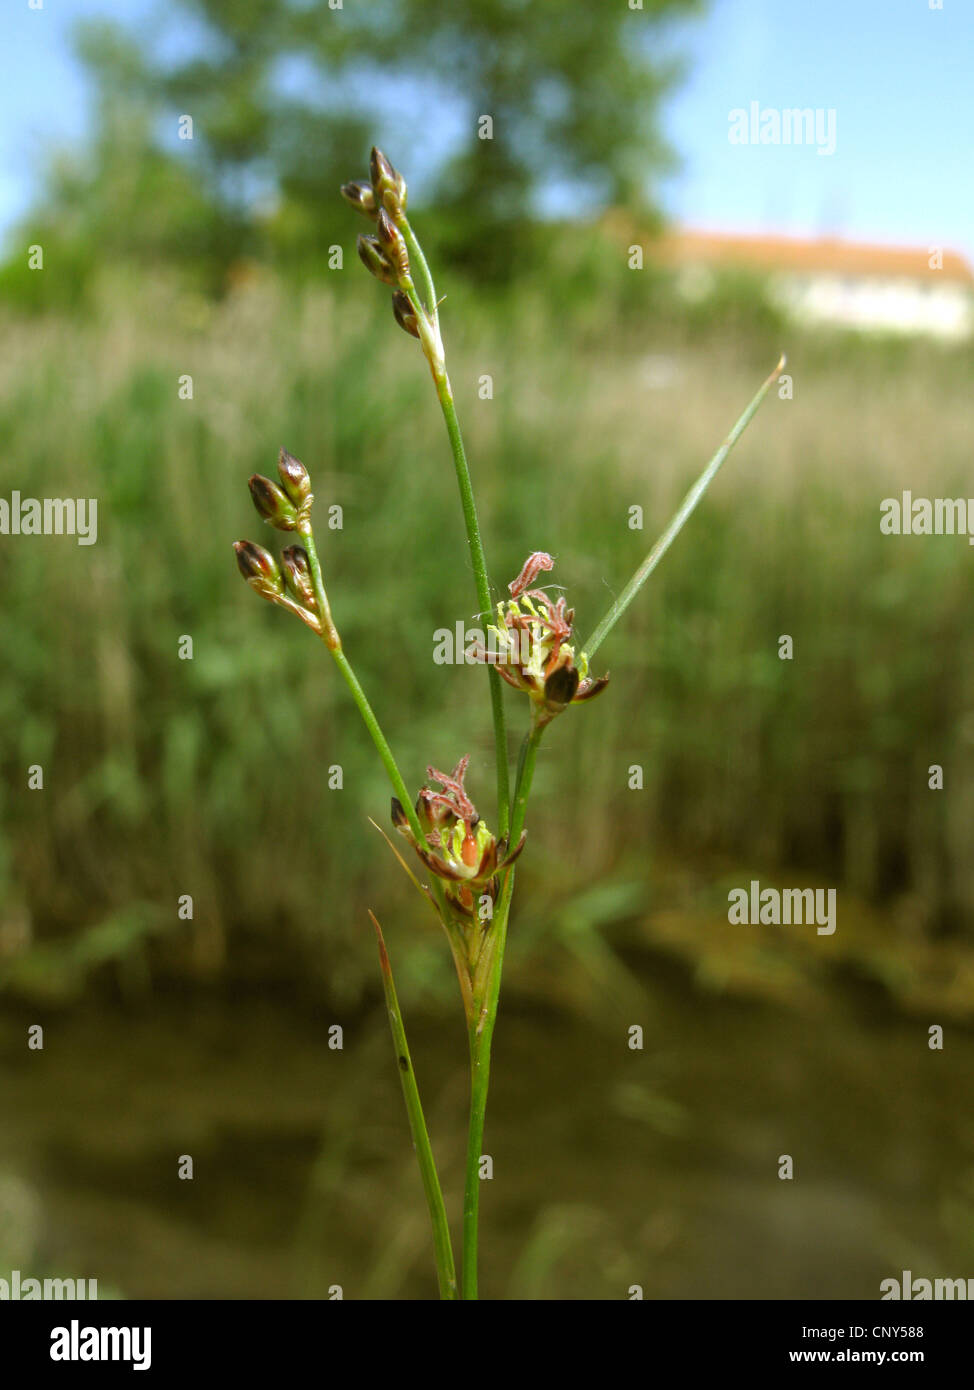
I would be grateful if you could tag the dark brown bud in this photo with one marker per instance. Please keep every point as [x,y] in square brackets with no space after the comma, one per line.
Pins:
[388,184]
[273,503]
[405,313]
[392,243]
[560,687]
[375,260]
[432,813]
[297,571]
[381,172]
[259,568]
[294,478]
[361,197]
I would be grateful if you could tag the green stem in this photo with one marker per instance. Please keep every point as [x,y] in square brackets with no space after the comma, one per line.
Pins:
[433,347]
[329,632]
[416,258]
[333,643]
[479,562]
[442,1248]
[379,739]
[525,778]
[679,521]
[481,1030]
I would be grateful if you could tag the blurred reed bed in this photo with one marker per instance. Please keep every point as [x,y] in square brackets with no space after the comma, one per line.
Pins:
[163,775]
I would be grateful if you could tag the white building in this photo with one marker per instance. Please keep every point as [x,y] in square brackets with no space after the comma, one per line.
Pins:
[927,291]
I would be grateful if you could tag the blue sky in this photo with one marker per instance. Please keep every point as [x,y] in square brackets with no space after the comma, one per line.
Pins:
[900,78]
[897,74]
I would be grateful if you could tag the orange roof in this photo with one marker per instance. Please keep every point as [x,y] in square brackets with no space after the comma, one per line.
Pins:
[773,253]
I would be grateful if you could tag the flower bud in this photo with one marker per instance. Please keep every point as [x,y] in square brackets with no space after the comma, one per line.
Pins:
[360,196]
[259,568]
[273,503]
[459,847]
[297,571]
[388,184]
[537,655]
[405,313]
[375,260]
[392,243]
[561,687]
[294,478]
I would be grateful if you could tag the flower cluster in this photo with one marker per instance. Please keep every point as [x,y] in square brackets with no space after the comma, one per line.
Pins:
[385,254]
[462,850]
[286,507]
[534,648]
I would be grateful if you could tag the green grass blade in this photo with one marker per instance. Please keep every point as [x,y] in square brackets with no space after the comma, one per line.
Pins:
[686,508]
[443,1249]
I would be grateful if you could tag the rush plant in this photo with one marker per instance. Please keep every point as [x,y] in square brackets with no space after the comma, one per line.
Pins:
[463,868]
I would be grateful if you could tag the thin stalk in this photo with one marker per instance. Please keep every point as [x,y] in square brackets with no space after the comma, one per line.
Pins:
[444,393]
[442,1248]
[416,258]
[679,521]
[525,779]
[379,739]
[334,645]
[481,1031]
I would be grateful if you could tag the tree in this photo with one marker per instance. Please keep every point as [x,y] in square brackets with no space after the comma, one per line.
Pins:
[542,99]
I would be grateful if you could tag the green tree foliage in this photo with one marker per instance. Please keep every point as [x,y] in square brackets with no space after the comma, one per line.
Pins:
[287,95]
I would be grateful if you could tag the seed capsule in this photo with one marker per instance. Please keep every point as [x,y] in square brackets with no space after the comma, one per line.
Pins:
[388,184]
[273,503]
[259,568]
[297,571]
[405,313]
[392,243]
[294,478]
[361,197]
[561,686]
[375,260]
